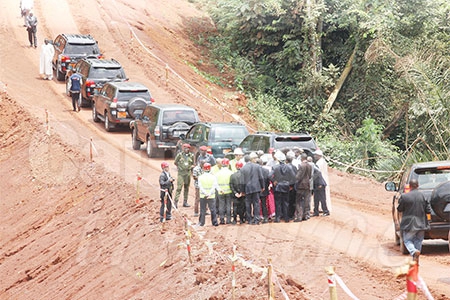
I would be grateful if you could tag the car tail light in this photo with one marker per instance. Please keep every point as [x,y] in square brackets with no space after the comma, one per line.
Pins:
[65,59]
[90,85]
[152,100]
[113,103]
[157,131]
[407,188]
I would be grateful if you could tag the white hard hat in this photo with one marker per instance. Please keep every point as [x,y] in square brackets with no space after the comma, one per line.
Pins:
[318,152]
[280,156]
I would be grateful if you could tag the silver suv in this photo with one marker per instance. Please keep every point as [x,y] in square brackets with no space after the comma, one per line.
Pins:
[264,140]
[434,183]
[118,103]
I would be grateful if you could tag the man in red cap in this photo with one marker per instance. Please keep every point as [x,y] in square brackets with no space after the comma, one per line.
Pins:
[185,163]
[205,156]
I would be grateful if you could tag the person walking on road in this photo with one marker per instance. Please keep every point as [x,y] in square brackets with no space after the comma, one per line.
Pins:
[32,29]
[185,163]
[414,209]
[45,66]
[75,82]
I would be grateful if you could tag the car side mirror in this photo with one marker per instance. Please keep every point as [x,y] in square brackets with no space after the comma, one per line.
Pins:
[182,136]
[390,186]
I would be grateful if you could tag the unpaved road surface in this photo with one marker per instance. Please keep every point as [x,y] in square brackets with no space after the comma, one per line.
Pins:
[72,228]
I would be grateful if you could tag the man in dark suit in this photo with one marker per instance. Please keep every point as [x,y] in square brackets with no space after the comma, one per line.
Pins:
[166,188]
[414,209]
[252,183]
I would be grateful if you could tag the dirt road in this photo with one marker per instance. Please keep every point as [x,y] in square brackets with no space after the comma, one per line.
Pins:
[71,228]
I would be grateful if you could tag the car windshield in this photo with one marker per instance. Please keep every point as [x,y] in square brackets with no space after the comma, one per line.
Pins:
[110,73]
[172,116]
[86,49]
[430,178]
[127,95]
[229,134]
[304,142]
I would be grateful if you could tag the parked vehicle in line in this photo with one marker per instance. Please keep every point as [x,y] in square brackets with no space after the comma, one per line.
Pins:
[69,49]
[434,183]
[95,73]
[220,138]
[118,103]
[160,126]
[264,140]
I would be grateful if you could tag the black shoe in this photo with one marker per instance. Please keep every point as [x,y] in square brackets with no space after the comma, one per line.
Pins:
[161,220]
[185,204]
[277,220]
[326,214]
[265,220]
[216,224]
[297,220]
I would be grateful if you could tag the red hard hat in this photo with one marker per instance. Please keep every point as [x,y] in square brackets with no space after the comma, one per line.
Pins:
[186,145]
[164,164]
[239,164]
[225,162]
[203,148]
[206,167]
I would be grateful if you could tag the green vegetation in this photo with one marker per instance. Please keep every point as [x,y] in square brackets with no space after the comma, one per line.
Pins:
[370,78]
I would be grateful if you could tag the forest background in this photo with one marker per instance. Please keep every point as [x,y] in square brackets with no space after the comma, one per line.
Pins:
[369,79]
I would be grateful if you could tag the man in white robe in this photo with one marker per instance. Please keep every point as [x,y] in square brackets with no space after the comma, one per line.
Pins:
[45,66]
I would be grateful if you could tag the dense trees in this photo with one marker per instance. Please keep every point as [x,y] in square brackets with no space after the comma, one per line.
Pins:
[351,72]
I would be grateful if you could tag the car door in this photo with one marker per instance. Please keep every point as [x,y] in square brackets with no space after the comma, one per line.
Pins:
[196,137]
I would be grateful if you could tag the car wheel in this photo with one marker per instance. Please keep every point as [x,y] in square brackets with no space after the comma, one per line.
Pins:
[440,199]
[135,142]
[403,248]
[59,75]
[94,114]
[107,125]
[149,149]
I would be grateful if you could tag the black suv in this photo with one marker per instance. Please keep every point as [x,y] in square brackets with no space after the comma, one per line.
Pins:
[160,127]
[117,103]
[221,138]
[95,73]
[266,140]
[434,183]
[69,49]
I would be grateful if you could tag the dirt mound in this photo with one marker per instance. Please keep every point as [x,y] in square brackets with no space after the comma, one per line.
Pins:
[85,222]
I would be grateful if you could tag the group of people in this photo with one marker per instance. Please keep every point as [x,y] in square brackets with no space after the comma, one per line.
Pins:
[254,189]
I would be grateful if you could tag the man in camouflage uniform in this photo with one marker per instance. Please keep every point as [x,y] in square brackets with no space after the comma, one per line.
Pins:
[184,162]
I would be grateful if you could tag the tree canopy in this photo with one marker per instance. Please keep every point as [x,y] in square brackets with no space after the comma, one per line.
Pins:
[342,70]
